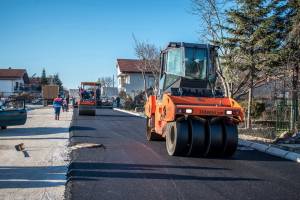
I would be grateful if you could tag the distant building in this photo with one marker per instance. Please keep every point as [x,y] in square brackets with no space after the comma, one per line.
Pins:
[74,93]
[130,78]
[36,85]
[13,81]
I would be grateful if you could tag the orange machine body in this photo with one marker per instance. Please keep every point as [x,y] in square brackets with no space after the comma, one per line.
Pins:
[169,108]
[87,102]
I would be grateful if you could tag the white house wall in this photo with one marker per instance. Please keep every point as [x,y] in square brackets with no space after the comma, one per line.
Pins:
[135,83]
[7,86]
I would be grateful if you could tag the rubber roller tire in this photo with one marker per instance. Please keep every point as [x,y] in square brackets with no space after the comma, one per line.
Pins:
[150,135]
[231,139]
[197,137]
[177,137]
[216,144]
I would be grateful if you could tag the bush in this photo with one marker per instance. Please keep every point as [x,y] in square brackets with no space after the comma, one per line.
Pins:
[129,104]
[258,108]
[122,95]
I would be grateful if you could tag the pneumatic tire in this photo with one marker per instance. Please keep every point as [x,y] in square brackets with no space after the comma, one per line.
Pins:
[177,137]
[231,139]
[197,137]
[150,135]
[216,146]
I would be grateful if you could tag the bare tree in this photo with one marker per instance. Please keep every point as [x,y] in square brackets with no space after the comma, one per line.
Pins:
[212,19]
[148,54]
[105,81]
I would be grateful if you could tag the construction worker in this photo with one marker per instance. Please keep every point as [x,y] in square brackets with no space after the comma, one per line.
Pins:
[68,102]
[98,93]
[64,106]
[57,104]
[118,102]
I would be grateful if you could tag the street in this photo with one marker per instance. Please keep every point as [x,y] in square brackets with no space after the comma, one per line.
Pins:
[127,166]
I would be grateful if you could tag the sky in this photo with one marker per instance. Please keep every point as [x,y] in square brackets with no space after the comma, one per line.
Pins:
[81,39]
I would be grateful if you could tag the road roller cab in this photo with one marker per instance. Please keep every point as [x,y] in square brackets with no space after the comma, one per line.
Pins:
[193,117]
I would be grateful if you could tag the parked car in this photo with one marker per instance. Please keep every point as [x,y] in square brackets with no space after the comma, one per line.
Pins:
[106,102]
[12,113]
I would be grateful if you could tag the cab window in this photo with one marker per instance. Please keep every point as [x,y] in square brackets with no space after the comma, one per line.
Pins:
[174,62]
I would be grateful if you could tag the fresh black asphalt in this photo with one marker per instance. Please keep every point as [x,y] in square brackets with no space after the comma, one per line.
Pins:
[129,167]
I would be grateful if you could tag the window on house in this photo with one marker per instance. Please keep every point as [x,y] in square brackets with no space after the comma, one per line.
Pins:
[17,86]
[150,81]
[128,79]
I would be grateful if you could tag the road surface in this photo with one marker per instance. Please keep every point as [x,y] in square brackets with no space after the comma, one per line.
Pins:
[129,167]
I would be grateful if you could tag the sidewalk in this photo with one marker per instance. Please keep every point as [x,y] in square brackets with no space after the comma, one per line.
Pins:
[39,171]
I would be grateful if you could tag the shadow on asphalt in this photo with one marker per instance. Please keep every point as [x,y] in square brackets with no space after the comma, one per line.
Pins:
[92,171]
[32,177]
[81,128]
[32,131]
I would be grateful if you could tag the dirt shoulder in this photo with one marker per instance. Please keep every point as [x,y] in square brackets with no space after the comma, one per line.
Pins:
[39,171]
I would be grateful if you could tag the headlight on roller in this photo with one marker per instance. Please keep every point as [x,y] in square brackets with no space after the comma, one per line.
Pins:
[188,111]
[228,112]
[184,110]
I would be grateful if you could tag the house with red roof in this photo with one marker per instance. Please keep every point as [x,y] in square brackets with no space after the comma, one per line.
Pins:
[130,78]
[12,81]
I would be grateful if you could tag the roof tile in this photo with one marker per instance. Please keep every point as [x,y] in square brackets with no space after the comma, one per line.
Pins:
[129,65]
[12,73]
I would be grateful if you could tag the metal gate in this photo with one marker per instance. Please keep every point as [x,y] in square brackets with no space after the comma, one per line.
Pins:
[283,117]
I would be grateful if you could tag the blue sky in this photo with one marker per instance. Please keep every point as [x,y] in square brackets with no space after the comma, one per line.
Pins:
[81,39]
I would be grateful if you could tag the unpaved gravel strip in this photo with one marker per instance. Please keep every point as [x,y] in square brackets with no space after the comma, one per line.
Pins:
[42,174]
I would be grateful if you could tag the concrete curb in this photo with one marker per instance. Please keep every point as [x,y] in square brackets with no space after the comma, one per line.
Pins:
[269,149]
[272,150]
[129,112]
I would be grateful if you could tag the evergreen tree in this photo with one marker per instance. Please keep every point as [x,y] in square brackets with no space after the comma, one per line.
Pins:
[291,49]
[58,82]
[44,80]
[252,41]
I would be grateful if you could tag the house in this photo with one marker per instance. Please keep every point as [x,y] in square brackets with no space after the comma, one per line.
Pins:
[13,81]
[130,78]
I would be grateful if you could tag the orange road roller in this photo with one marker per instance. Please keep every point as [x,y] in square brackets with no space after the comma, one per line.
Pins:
[88,100]
[193,117]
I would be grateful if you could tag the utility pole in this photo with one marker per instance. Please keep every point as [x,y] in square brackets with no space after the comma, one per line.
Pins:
[113,81]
